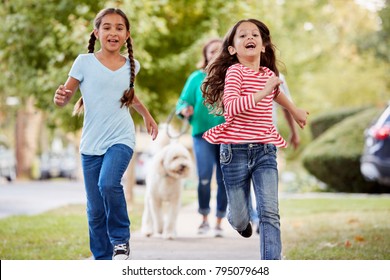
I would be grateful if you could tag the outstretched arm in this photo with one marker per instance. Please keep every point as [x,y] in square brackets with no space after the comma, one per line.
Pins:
[294,136]
[299,115]
[150,123]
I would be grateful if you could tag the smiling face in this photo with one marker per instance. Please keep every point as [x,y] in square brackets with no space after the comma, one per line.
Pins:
[247,42]
[112,32]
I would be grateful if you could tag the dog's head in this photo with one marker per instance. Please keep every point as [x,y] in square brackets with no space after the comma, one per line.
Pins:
[175,160]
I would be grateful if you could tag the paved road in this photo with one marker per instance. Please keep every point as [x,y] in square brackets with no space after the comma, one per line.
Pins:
[34,197]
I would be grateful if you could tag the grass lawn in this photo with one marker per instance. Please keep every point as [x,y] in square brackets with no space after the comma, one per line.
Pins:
[334,228]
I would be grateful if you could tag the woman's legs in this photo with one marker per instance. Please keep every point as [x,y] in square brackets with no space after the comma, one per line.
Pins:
[207,155]
[221,190]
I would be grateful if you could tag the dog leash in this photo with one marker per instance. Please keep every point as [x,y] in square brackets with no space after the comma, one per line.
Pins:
[183,123]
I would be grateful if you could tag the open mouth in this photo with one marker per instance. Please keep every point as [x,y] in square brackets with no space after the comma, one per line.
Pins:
[113,40]
[250,46]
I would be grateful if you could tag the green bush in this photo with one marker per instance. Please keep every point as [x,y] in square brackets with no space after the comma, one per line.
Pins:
[334,157]
[323,122]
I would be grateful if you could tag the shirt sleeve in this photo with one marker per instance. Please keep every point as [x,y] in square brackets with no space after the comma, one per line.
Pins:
[137,66]
[188,94]
[76,70]
[284,87]
[234,102]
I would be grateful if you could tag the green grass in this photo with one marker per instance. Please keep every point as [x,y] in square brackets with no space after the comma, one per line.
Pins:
[326,229]
[336,228]
[61,234]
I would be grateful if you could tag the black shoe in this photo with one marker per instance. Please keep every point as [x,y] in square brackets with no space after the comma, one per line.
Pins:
[121,252]
[246,232]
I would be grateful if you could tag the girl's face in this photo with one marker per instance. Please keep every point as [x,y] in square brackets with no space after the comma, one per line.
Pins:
[112,32]
[212,49]
[247,42]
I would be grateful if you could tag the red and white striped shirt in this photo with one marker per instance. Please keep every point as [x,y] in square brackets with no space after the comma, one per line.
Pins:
[246,121]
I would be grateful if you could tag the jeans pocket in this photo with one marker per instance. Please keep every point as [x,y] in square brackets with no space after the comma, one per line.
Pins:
[271,149]
[225,155]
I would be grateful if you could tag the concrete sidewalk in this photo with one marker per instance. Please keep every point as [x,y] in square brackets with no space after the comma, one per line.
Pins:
[191,246]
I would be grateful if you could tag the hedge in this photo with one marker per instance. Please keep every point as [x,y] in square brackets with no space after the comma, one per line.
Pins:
[323,122]
[334,157]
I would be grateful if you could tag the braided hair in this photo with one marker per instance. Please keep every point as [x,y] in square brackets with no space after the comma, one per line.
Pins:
[128,94]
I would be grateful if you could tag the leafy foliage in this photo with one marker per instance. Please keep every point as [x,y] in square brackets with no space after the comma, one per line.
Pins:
[320,123]
[334,157]
[334,53]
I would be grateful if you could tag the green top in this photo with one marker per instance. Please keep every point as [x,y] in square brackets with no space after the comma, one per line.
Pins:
[191,94]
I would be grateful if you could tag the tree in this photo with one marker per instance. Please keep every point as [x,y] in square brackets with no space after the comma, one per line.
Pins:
[33,45]
[328,62]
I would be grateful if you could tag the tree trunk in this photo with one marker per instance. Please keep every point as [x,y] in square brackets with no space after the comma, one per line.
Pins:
[28,120]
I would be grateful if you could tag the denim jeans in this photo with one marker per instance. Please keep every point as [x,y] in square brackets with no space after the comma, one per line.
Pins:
[207,156]
[108,219]
[241,164]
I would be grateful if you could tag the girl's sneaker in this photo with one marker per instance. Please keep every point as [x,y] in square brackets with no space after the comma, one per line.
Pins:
[121,252]
[246,232]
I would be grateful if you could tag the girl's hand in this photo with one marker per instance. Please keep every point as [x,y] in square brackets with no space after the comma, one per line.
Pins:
[272,83]
[62,96]
[151,126]
[300,117]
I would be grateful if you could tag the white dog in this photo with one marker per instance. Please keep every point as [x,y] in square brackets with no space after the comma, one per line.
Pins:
[164,183]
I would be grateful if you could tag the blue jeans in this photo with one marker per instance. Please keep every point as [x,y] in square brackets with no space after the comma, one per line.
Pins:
[241,164]
[108,219]
[207,156]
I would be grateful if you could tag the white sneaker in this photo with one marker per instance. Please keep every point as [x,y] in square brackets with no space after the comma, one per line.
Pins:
[203,228]
[218,231]
[121,252]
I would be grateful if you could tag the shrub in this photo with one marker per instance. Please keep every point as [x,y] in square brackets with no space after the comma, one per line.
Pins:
[323,122]
[334,157]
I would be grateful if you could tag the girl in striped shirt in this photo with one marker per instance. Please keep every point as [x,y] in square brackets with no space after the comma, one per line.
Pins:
[241,83]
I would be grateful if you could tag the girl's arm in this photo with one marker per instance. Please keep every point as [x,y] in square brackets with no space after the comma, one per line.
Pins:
[64,93]
[298,114]
[294,137]
[150,123]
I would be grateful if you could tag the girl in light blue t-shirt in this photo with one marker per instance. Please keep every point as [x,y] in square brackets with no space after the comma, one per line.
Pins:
[106,81]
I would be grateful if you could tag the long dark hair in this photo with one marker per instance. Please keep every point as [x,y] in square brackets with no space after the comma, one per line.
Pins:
[214,83]
[128,94]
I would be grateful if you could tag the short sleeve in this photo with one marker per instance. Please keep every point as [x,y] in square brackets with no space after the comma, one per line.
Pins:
[76,70]
[137,66]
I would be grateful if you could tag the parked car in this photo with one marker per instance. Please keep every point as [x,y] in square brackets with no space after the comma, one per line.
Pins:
[375,161]
[7,161]
[58,164]
[141,166]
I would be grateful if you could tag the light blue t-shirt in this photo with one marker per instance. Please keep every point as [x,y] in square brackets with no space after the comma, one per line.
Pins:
[105,122]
